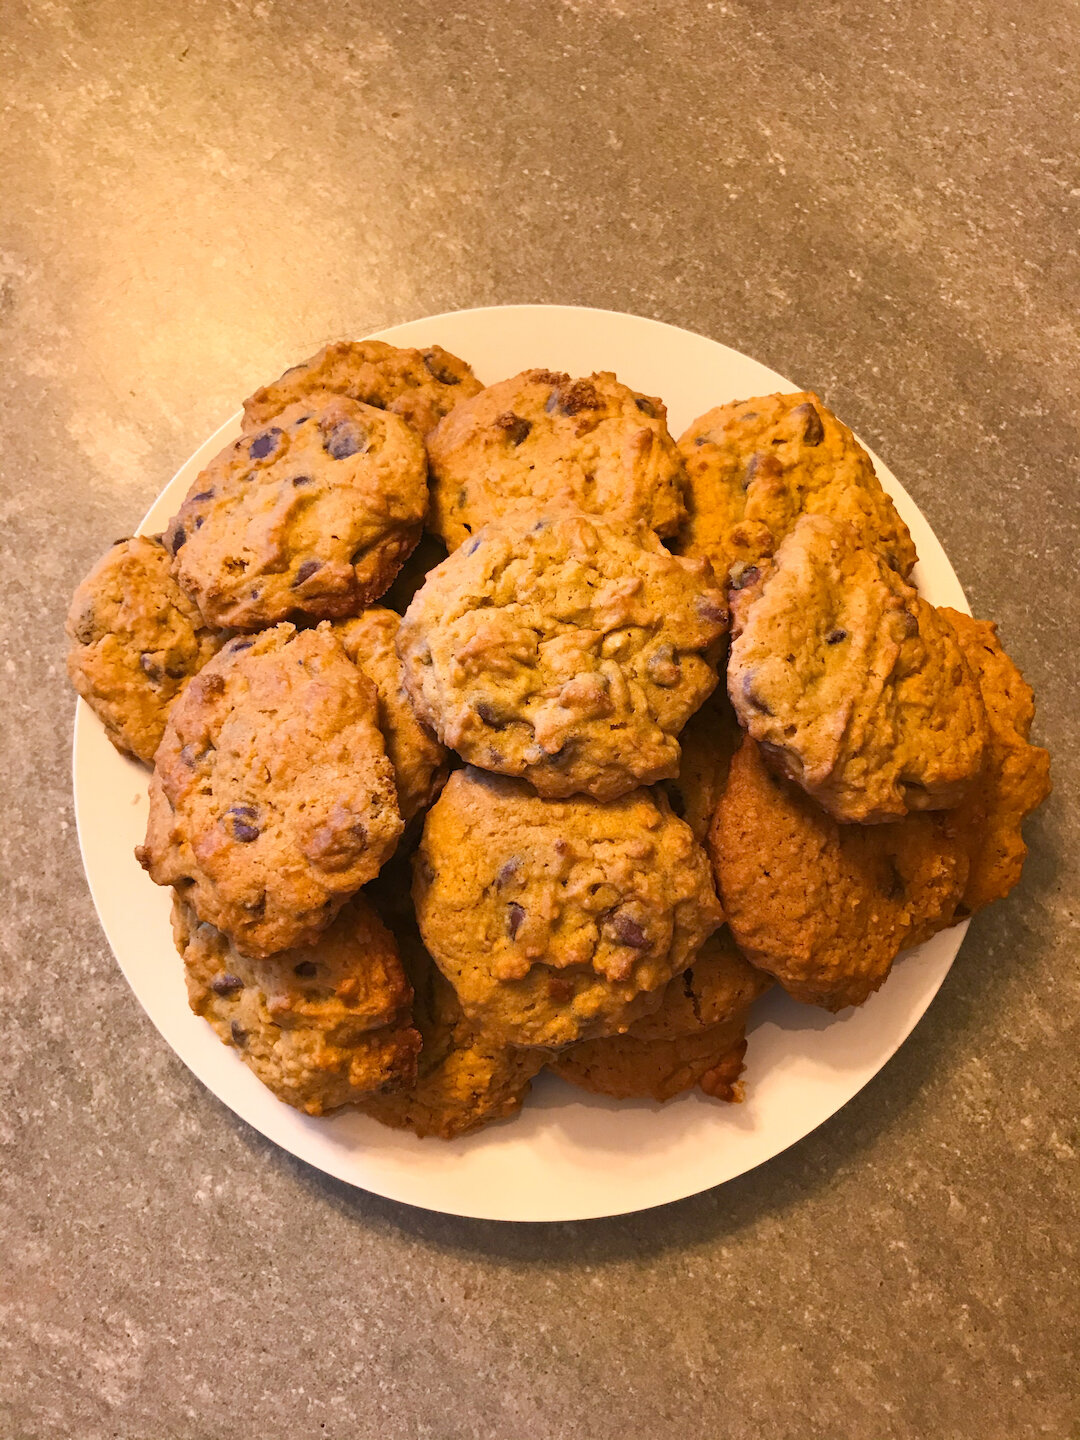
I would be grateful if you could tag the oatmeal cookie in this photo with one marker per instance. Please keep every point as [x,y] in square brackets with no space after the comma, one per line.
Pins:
[697,1037]
[826,907]
[755,466]
[466,1079]
[272,799]
[419,761]
[1016,774]
[135,642]
[558,920]
[565,650]
[854,685]
[321,1026]
[548,442]
[419,385]
[312,516]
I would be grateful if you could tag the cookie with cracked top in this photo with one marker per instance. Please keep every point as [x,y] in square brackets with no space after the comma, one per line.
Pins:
[558,920]
[135,640]
[544,441]
[825,907]
[272,799]
[310,517]
[323,1025]
[756,465]
[696,1037]
[419,385]
[566,650]
[420,762]
[853,684]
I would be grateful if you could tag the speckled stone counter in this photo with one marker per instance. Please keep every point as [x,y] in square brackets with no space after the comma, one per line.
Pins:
[878,201]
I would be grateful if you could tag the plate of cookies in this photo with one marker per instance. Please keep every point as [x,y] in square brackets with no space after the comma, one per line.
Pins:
[536,764]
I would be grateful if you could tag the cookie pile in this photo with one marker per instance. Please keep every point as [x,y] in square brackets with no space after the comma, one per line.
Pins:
[638,730]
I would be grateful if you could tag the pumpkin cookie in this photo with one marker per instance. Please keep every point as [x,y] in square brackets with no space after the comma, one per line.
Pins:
[419,385]
[826,907]
[419,761]
[755,466]
[855,686]
[1016,775]
[548,442]
[321,1026]
[135,641]
[565,650]
[696,1037]
[272,799]
[311,516]
[558,920]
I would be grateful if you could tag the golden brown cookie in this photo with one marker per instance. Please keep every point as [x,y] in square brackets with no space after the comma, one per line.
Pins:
[419,761]
[272,799]
[697,1037]
[322,1026]
[1016,775]
[566,650]
[310,517]
[854,685]
[419,385]
[708,740]
[465,1079]
[544,441]
[135,641]
[756,465]
[558,920]
[826,907]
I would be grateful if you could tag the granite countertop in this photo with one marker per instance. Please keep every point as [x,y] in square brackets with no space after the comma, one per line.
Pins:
[878,201]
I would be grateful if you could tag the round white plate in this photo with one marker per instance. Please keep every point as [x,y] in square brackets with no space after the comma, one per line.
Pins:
[569,1155]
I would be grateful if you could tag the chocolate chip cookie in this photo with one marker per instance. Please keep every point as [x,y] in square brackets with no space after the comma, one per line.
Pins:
[465,1078]
[135,641]
[558,920]
[856,688]
[546,441]
[827,907]
[311,516]
[272,799]
[755,466]
[322,1026]
[566,649]
[1016,774]
[697,1037]
[419,761]
[419,385]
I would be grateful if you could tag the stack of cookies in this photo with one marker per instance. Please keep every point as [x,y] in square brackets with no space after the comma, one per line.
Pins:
[639,729]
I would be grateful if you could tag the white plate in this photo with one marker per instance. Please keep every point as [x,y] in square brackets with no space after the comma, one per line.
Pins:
[568,1156]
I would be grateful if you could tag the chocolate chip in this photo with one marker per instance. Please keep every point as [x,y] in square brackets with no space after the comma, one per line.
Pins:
[175,672]
[491,717]
[226,984]
[204,495]
[149,665]
[507,871]
[306,968]
[629,932]
[299,480]
[911,623]
[241,828]
[301,419]
[814,431]
[345,439]
[752,698]
[835,636]
[179,537]
[306,570]
[701,439]
[740,578]
[240,645]
[516,427]
[239,1034]
[515,916]
[437,370]
[893,885]
[561,756]
[709,609]
[645,405]
[264,444]
[198,522]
